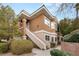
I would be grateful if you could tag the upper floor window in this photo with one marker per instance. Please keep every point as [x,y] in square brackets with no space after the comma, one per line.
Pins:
[47,21]
[53,25]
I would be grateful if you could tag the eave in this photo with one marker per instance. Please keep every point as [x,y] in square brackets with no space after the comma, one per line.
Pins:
[42,10]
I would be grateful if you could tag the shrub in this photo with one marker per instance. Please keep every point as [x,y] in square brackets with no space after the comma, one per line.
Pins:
[3,47]
[66,37]
[57,52]
[21,46]
[75,32]
[74,38]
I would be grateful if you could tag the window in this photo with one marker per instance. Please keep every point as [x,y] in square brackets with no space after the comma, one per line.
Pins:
[47,38]
[55,38]
[47,21]
[53,25]
[52,39]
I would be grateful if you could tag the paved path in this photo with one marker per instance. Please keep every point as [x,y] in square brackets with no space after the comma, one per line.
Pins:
[39,52]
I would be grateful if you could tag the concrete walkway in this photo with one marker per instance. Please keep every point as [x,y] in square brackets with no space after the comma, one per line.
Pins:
[39,52]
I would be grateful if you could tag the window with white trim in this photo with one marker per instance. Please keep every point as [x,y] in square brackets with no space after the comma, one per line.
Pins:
[47,38]
[55,38]
[47,21]
[53,25]
[52,39]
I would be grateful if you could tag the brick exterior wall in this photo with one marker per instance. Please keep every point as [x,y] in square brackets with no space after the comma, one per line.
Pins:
[72,48]
[38,24]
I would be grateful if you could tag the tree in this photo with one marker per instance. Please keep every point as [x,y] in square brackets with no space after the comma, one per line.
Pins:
[68,25]
[77,9]
[65,26]
[64,7]
[75,24]
[7,22]
[15,28]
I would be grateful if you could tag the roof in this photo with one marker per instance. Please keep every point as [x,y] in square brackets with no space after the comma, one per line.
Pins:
[42,9]
[24,12]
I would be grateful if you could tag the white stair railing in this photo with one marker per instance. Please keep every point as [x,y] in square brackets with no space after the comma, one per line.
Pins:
[35,39]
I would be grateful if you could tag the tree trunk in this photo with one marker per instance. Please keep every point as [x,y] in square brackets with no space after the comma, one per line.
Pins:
[76,13]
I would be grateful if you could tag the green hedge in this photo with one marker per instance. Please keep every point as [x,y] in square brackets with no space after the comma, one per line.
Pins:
[3,47]
[73,38]
[56,52]
[66,37]
[21,46]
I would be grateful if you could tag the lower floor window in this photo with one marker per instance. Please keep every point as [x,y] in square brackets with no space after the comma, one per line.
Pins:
[52,39]
[55,38]
[47,37]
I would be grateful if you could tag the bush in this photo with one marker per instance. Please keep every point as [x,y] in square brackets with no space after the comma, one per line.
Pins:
[66,37]
[21,46]
[74,38]
[57,52]
[3,47]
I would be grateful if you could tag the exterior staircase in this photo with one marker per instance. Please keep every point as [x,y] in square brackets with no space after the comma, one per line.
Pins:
[35,39]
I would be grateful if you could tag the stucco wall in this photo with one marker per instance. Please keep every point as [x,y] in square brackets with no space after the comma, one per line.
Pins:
[38,24]
[40,35]
[73,48]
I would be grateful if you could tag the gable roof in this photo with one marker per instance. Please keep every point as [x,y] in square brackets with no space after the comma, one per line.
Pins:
[24,12]
[42,9]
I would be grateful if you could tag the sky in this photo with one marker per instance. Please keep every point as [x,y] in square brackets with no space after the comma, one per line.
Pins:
[31,7]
